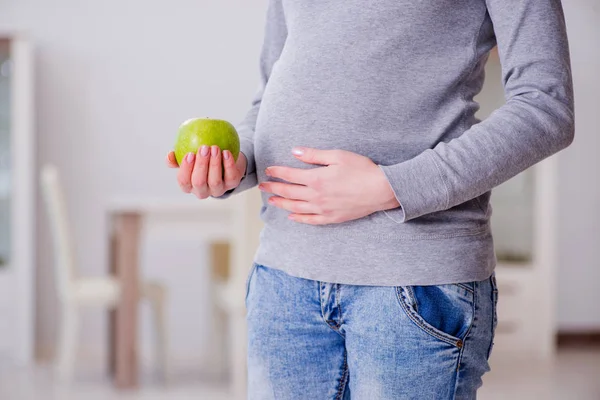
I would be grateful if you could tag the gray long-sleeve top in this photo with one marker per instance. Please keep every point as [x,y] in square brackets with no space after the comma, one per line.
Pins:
[394,80]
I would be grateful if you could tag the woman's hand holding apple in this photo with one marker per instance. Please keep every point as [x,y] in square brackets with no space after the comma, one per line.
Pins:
[209,172]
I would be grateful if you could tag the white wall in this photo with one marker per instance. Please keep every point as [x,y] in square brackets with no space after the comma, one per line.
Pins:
[114,81]
[579,274]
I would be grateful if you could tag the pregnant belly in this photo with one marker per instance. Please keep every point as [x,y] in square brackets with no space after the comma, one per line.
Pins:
[385,124]
[347,113]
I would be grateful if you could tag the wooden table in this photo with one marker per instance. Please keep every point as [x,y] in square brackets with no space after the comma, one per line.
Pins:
[234,220]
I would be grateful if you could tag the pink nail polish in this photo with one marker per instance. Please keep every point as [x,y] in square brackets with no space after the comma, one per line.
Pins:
[214,150]
[226,154]
[297,151]
[190,157]
[204,151]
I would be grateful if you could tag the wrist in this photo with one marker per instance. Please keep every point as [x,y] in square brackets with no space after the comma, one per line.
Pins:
[390,202]
[386,198]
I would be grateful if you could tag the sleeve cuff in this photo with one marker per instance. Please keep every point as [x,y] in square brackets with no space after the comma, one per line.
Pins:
[419,187]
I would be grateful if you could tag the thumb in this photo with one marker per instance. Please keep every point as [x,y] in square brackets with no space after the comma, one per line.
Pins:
[319,157]
[172,160]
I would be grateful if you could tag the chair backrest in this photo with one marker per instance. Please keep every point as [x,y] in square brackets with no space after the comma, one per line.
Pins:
[56,207]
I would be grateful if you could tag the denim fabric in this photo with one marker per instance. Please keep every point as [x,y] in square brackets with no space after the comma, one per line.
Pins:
[315,340]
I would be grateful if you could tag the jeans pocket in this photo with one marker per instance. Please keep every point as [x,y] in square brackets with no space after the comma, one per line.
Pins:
[445,312]
[248,280]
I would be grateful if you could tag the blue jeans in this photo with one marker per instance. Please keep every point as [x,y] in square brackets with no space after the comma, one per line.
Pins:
[315,340]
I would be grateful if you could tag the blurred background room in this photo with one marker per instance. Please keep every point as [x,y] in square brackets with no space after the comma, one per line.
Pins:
[114,285]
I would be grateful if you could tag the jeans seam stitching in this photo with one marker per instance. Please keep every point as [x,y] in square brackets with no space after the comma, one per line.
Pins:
[494,313]
[466,287]
[474,308]
[465,340]
[411,293]
[337,326]
[338,302]
[321,301]
[343,380]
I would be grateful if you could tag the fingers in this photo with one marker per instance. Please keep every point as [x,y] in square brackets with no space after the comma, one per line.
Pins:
[287,190]
[171,160]
[319,157]
[293,206]
[232,175]
[200,173]
[184,175]
[292,175]
[310,219]
[215,172]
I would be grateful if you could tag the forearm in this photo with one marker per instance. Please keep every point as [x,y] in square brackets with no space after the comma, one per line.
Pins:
[536,121]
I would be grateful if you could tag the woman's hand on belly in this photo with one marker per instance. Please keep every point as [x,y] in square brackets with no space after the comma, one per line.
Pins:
[346,187]
[209,172]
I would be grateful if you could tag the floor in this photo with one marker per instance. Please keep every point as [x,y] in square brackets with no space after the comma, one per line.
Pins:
[574,375]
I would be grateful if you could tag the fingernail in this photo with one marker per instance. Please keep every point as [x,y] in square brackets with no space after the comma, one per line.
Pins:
[214,150]
[267,172]
[261,187]
[297,151]
[291,216]
[226,154]
[271,200]
[204,151]
[190,157]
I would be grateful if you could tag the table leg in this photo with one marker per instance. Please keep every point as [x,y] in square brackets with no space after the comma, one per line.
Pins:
[112,314]
[124,329]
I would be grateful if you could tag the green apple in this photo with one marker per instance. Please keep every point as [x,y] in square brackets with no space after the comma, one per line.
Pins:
[197,132]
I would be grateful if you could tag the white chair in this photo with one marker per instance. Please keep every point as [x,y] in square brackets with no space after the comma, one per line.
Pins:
[75,292]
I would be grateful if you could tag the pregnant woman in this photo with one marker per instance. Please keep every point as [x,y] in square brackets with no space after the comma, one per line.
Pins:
[374,278]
